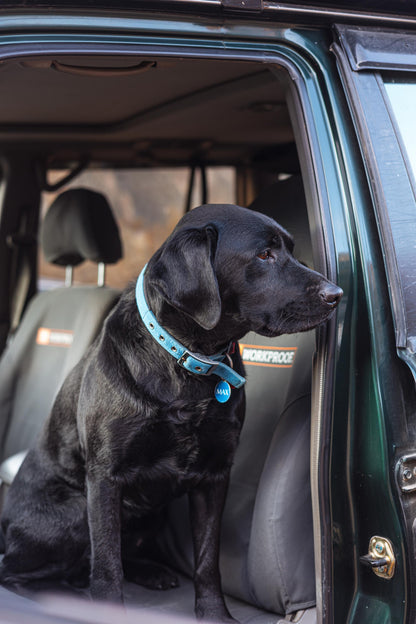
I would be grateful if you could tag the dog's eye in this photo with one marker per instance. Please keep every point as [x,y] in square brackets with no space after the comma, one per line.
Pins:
[264,255]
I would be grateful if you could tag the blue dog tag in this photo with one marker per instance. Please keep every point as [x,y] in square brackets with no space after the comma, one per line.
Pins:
[222,391]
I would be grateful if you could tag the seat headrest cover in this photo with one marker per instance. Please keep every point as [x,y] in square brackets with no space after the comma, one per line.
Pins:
[78,226]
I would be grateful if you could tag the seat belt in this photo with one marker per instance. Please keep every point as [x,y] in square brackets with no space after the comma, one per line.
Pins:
[192,184]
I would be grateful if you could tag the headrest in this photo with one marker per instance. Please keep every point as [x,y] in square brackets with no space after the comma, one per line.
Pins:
[285,202]
[80,226]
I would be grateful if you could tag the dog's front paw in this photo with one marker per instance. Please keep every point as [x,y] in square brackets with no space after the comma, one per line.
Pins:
[161,578]
[213,613]
[102,590]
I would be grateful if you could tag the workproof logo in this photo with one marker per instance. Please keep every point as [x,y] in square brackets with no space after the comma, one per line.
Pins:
[258,355]
[54,337]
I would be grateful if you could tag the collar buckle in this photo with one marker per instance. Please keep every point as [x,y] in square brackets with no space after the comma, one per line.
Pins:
[197,363]
[183,359]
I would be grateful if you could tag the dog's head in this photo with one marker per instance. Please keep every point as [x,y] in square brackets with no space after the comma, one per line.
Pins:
[227,263]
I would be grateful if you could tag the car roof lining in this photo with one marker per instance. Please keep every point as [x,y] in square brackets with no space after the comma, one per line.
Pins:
[222,110]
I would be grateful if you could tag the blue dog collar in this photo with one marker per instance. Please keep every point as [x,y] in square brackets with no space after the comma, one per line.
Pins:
[193,362]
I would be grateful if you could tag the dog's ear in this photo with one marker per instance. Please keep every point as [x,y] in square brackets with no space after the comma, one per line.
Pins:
[184,274]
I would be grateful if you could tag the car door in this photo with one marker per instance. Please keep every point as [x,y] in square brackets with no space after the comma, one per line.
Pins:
[378,71]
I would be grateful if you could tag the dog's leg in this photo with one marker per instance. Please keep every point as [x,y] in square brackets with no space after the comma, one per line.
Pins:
[206,506]
[104,520]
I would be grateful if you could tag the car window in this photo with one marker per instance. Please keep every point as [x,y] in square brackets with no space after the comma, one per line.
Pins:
[147,204]
[402,98]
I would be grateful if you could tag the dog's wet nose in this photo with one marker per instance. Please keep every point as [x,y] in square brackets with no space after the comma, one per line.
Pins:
[331,295]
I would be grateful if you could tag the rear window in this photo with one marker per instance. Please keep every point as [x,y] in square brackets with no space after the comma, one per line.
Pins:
[147,204]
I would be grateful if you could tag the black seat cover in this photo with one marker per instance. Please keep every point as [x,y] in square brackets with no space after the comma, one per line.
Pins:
[58,325]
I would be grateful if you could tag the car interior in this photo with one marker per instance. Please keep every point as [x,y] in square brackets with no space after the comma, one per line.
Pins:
[67,121]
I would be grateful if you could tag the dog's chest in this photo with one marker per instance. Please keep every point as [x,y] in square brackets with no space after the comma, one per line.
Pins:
[163,457]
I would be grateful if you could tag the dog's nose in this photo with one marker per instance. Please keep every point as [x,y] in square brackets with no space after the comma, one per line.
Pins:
[331,295]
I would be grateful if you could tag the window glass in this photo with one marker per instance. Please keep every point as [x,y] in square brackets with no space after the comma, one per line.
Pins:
[146,204]
[402,97]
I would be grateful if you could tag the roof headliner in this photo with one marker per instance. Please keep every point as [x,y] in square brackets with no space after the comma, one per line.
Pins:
[147,109]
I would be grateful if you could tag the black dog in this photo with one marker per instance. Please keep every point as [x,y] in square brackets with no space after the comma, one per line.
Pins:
[131,429]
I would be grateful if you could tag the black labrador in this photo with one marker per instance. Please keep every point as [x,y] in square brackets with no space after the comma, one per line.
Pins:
[131,428]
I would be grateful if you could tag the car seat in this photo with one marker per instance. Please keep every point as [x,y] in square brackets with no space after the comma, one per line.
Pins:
[58,325]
